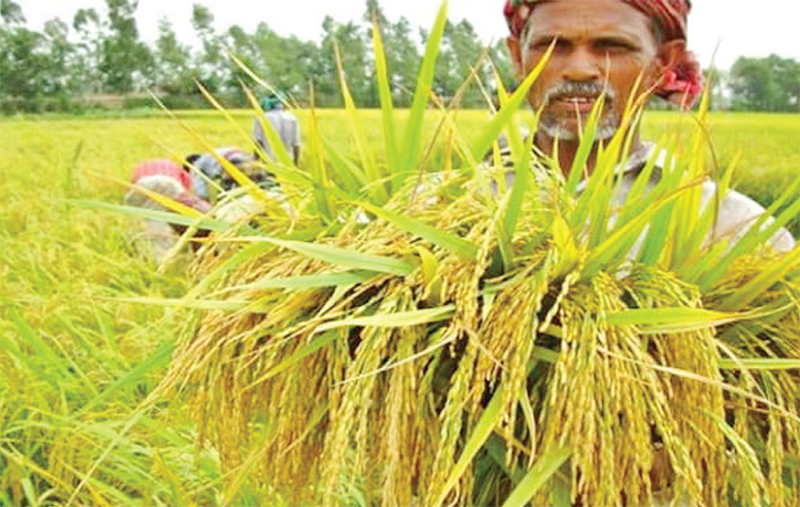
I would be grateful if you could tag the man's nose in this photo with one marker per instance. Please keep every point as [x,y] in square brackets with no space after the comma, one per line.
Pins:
[582,64]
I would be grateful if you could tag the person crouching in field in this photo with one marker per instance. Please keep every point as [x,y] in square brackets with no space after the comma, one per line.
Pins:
[601,48]
[166,178]
[208,174]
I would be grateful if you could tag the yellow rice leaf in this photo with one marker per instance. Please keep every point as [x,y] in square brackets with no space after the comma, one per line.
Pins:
[436,236]
[396,319]
[306,350]
[773,273]
[670,320]
[340,256]
[759,364]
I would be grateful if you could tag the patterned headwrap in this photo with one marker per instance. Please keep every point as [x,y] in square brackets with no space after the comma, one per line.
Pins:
[164,177]
[682,81]
[162,167]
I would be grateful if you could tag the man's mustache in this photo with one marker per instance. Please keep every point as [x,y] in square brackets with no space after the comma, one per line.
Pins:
[578,89]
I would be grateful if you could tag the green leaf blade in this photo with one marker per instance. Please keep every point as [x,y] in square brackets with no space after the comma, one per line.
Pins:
[542,471]
[444,239]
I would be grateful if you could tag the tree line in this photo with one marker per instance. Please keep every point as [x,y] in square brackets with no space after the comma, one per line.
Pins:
[68,64]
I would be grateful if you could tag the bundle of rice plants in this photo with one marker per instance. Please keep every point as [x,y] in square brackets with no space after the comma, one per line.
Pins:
[429,337]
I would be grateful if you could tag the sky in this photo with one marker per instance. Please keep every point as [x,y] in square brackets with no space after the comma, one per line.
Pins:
[736,27]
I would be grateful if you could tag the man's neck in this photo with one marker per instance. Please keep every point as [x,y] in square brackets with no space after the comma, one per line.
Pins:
[567,150]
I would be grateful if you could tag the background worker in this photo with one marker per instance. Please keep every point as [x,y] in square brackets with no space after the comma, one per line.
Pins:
[169,179]
[208,168]
[284,123]
[231,206]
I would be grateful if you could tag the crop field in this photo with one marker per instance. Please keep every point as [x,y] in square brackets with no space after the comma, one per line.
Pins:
[77,357]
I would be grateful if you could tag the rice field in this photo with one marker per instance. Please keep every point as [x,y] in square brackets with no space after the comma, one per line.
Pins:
[77,358]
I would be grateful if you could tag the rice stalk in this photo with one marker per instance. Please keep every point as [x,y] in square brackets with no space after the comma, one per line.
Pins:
[446,343]
[415,416]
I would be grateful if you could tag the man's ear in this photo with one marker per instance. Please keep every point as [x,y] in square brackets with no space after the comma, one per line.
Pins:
[514,50]
[670,52]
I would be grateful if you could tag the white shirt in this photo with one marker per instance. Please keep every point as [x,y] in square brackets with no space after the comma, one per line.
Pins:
[286,126]
[736,215]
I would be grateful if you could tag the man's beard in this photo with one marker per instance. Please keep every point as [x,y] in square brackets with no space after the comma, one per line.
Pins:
[556,126]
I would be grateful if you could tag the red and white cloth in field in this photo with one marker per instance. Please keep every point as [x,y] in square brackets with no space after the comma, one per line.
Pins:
[162,167]
[166,178]
[682,81]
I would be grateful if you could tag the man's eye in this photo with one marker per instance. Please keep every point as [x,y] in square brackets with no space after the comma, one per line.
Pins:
[544,45]
[541,45]
[610,45]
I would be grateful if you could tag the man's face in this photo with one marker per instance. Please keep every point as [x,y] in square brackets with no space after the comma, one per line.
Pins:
[602,46]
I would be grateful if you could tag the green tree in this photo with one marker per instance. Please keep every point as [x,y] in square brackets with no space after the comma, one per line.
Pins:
[87,52]
[23,62]
[125,61]
[354,52]
[374,14]
[404,61]
[350,40]
[786,72]
[765,84]
[460,53]
[11,12]
[173,72]
[286,63]
[402,55]
[59,82]
[211,63]
[242,45]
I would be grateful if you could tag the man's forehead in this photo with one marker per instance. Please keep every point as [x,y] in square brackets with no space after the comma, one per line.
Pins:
[590,18]
[668,15]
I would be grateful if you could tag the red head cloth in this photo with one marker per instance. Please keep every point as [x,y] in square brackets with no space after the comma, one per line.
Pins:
[682,81]
[180,183]
[163,167]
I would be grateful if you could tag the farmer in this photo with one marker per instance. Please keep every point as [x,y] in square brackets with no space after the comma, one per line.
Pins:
[601,47]
[209,169]
[168,179]
[232,206]
[284,123]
